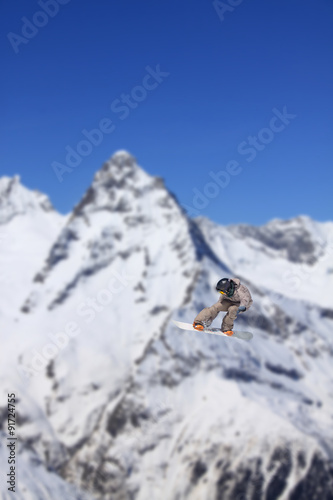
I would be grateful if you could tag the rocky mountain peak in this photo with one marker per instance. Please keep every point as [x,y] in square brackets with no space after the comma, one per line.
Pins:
[124,212]
[116,186]
[15,199]
[122,158]
[121,168]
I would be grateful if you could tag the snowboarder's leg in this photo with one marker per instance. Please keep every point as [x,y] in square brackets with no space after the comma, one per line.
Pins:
[207,315]
[229,318]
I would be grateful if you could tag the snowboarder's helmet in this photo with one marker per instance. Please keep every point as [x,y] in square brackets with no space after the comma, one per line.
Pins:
[223,286]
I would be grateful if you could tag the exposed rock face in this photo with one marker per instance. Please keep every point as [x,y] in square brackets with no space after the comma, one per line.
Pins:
[295,239]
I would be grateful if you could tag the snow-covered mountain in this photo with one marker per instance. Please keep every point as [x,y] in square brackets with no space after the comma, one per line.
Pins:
[114,401]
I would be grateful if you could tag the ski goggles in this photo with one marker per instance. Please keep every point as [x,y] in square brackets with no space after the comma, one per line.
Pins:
[223,293]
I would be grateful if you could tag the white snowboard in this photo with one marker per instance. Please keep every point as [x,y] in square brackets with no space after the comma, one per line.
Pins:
[214,331]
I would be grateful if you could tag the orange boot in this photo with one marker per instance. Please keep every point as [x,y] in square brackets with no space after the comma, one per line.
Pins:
[198,326]
[229,333]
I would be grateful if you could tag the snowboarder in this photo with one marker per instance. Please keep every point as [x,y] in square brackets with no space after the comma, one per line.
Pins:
[235,298]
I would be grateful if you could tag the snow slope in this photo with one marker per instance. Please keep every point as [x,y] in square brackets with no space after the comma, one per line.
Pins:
[117,403]
[28,224]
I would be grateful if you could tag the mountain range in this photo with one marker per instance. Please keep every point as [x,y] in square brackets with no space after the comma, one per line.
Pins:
[113,401]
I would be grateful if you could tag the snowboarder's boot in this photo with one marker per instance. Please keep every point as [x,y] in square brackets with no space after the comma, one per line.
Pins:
[198,326]
[228,332]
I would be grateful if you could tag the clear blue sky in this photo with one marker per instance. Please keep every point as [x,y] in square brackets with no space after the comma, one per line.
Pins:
[225,78]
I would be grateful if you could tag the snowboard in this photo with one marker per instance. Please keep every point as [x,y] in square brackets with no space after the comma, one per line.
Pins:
[214,331]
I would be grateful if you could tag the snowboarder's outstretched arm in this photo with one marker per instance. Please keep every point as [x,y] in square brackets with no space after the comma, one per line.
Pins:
[208,314]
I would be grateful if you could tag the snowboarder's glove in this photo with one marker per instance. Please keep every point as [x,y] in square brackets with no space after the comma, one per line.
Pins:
[241,309]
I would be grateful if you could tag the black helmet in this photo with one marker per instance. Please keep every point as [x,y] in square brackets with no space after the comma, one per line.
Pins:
[225,286]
